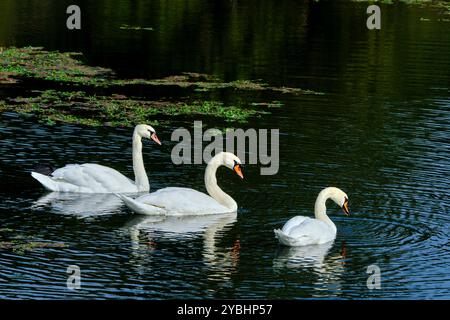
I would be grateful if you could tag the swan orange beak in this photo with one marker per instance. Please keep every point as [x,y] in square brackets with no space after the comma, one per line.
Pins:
[345,207]
[155,138]
[237,168]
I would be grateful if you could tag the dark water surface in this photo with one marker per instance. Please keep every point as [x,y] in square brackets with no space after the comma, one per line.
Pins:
[380,132]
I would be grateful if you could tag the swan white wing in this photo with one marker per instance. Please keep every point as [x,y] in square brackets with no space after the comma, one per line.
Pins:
[293,222]
[183,201]
[92,178]
[301,230]
[311,227]
[140,207]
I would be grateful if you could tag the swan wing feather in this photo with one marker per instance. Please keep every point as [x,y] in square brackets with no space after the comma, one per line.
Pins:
[304,231]
[89,178]
[140,207]
[183,201]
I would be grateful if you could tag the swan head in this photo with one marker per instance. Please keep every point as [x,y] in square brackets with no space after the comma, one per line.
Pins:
[340,198]
[230,161]
[146,131]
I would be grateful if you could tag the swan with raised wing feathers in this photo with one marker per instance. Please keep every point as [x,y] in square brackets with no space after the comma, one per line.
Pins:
[184,201]
[95,178]
[302,231]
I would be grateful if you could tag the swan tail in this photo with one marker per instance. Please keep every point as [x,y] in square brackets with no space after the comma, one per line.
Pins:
[139,207]
[285,239]
[46,181]
[52,185]
[44,169]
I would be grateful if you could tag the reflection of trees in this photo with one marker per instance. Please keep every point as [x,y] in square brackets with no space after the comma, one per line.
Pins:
[238,40]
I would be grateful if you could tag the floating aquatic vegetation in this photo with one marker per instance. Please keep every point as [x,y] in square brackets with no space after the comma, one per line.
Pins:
[37,63]
[429,3]
[21,247]
[128,27]
[20,244]
[34,62]
[272,104]
[78,107]
[202,82]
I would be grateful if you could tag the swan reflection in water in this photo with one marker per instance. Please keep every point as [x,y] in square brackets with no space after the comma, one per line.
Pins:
[82,205]
[314,259]
[178,228]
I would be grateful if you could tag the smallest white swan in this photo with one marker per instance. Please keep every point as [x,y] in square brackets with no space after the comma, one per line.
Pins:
[303,231]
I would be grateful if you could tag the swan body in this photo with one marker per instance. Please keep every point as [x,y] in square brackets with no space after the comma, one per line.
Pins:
[95,178]
[302,231]
[184,201]
[178,201]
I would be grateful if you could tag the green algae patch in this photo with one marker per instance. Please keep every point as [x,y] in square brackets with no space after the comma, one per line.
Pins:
[66,67]
[20,247]
[94,96]
[204,83]
[136,28]
[428,3]
[77,107]
[34,62]
[20,244]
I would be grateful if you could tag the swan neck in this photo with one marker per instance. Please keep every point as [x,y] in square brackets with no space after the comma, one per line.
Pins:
[140,176]
[214,190]
[320,209]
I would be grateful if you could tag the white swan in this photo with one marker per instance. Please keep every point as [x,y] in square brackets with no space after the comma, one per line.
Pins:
[184,201]
[95,178]
[302,231]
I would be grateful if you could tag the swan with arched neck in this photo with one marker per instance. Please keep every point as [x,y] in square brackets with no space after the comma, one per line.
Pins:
[185,201]
[302,231]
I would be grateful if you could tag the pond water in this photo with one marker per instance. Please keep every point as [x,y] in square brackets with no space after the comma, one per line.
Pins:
[380,132]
